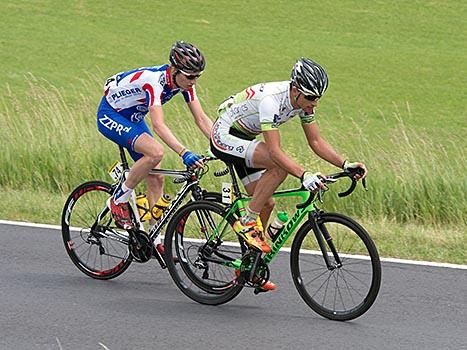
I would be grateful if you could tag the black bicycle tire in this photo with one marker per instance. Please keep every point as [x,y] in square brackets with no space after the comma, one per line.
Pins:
[77,193]
[215,197]
[372,293]
[214,298]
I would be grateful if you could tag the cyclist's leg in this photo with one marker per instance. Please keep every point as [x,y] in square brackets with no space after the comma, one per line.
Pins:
[143,148]
[250,181]
[155,187]
[239,151]
[155,190]
[269,181]
[151,153]
[147,153]
[136,137]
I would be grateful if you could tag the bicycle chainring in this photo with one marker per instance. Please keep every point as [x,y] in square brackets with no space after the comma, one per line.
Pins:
[262,271]
[140,246]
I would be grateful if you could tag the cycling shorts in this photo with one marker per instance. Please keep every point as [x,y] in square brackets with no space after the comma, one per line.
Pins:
[119,129]
[232,147]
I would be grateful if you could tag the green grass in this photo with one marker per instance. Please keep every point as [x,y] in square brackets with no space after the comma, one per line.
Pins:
[396,99]
[378,54]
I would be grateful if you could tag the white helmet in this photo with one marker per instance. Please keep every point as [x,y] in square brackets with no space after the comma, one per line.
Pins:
[309,77]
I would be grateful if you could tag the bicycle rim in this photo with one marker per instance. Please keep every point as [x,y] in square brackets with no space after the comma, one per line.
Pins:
[346,290]
[97,247]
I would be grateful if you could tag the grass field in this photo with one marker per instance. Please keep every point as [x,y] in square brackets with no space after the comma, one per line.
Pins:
[396,99]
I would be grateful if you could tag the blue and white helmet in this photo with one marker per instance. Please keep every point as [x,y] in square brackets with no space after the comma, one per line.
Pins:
[309,77]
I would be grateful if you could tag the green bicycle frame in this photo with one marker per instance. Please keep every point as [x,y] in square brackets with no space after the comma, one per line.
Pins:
[288,228]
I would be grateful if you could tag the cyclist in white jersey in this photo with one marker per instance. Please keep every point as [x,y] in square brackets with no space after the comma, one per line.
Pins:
[263,166]
[128,97]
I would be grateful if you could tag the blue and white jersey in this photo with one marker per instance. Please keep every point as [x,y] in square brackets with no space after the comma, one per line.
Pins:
[132,93]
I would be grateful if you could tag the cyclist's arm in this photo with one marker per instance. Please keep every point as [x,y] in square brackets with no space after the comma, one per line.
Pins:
[201,119]
[320,146]
[158,125]
[278,156]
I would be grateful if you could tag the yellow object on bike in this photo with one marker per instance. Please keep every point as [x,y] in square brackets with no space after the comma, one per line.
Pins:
[143,207]
[160,206]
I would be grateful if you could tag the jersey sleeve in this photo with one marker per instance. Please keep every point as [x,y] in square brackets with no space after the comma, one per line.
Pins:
[190,94]
[153,88]
[268,114]
[306,118]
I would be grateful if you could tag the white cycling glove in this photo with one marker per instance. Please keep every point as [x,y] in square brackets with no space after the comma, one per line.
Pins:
[312,182]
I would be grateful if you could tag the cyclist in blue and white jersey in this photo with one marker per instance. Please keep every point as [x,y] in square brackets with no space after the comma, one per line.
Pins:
[128,97]
[263,166]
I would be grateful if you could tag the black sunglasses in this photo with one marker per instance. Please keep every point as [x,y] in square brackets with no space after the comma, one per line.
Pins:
[192,77]
[310,97]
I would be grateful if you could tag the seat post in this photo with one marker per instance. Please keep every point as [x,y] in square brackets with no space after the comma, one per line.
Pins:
[123,158]
[233,176]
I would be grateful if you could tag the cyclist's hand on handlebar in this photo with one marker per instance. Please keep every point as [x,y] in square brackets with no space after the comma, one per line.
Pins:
[192,160]
[313,182]
[360,167]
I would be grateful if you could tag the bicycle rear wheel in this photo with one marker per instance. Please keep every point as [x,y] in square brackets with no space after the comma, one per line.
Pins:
[345,290]
[204,242]
[95,245]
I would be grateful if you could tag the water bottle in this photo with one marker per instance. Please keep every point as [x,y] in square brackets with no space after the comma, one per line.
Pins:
[276,225]
[143,207]
[160,206]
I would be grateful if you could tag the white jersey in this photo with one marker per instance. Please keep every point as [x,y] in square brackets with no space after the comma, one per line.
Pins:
[132,93]
[260,107]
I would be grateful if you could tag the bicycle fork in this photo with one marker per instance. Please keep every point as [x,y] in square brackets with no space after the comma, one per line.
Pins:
[324,239]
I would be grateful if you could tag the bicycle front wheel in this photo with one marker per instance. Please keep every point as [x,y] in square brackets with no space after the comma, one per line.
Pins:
[95,245]
[346,286]
[205,246]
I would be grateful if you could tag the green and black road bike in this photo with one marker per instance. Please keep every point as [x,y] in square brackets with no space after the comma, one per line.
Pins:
[334,263]
[96,245]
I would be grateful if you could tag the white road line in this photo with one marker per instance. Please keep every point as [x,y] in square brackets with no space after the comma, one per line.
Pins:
[390,260]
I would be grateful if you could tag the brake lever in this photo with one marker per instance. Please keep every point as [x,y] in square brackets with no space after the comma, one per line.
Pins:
[320,195]
[322,190]
[364,184]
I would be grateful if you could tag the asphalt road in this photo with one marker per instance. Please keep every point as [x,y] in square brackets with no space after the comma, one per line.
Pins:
[47,303]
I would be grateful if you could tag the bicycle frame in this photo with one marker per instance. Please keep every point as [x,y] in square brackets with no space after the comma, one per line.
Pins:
[307,206]
[189,178]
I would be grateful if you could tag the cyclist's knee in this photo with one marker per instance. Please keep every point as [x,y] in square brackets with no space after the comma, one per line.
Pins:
[279,173]
[154,155]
